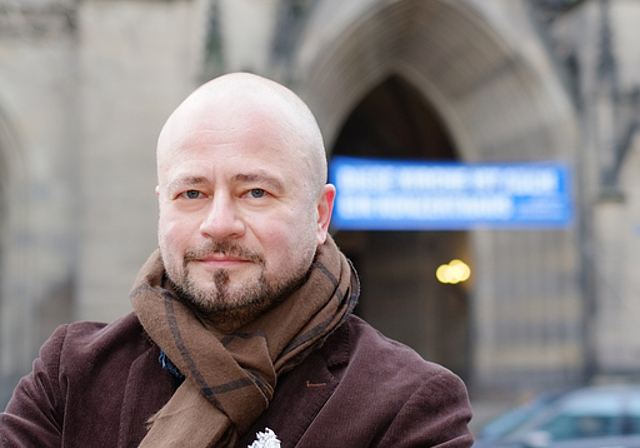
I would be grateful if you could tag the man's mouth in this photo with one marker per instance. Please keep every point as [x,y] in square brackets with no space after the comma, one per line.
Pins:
[222,260]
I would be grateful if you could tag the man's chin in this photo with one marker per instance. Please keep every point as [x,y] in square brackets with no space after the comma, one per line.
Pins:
[229,309]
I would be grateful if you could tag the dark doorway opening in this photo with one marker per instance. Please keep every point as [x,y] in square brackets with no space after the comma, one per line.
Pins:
[401,295]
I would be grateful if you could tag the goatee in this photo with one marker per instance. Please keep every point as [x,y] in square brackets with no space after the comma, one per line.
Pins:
[226,306]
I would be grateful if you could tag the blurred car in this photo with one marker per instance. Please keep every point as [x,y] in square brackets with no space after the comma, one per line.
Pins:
[591,417]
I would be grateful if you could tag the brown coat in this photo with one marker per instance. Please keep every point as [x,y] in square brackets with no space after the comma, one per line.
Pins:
[96,385]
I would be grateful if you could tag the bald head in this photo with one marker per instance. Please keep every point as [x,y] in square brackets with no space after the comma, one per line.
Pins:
[255,101]
[242,193]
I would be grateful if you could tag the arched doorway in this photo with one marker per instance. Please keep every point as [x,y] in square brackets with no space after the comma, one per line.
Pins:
[489,79]
[400,293]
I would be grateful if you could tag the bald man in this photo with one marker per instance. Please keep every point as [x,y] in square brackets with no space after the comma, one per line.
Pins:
[242,333]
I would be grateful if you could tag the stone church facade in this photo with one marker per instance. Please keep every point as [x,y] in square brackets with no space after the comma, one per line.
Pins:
[86,86]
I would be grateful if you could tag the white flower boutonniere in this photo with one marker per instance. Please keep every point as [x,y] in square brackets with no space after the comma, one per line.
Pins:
[266,439]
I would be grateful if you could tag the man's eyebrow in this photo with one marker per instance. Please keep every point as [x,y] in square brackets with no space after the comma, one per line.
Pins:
[273,182]
[191,181]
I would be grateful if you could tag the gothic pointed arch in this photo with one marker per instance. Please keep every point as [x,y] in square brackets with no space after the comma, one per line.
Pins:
[498,98]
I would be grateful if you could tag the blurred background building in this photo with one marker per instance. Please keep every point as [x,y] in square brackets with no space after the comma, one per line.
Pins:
[86,86]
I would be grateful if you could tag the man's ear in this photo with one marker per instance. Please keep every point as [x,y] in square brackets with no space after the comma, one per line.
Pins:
[158,191]
[323,213]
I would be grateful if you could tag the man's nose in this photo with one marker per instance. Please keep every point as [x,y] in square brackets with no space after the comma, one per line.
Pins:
[223,219]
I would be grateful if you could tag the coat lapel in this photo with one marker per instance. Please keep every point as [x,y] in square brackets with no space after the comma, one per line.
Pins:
[301,393]
[147,389]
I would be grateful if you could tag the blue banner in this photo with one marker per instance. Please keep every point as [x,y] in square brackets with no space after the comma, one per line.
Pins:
[376,194]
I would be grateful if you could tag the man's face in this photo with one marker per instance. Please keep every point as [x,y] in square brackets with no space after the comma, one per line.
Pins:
[239,224]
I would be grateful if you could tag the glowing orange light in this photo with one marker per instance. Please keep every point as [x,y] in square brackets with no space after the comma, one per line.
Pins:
[456,271]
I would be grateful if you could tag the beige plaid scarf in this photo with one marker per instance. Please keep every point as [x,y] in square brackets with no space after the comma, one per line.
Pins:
[231,377]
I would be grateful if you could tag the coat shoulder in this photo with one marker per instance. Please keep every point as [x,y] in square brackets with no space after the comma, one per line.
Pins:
[87,340]
[370,346]
[387,395]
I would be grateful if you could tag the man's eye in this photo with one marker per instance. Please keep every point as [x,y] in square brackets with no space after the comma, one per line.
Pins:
[191,194]
[257,193]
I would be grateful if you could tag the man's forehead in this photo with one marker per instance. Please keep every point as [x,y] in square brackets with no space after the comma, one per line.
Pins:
[224,148]
[233,152]
[203,125]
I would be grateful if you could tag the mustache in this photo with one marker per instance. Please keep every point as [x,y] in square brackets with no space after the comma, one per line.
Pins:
[227,248]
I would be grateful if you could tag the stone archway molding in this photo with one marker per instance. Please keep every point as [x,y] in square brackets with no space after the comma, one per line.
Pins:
[479,63]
